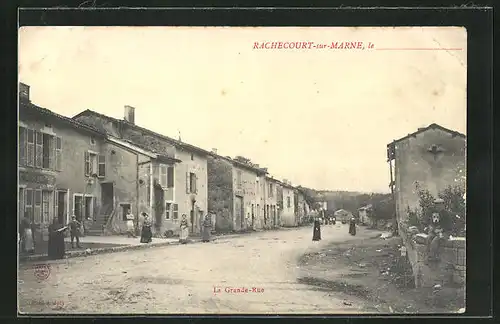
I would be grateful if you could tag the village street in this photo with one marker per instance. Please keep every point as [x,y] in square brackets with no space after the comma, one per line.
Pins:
[182,278]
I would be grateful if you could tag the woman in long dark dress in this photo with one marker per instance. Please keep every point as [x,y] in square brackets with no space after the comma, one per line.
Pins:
[352,227]
[56,248]
[146,234]
[207,228]
[317,230]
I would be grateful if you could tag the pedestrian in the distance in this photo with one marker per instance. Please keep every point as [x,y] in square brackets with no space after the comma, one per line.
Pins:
[317,230]
[130,225]
[207,228]
[352,226]
[184,227]
[74,231]
[146,233]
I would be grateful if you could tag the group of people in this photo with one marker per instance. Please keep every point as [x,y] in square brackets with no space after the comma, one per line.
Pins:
[147,234]
[317,228]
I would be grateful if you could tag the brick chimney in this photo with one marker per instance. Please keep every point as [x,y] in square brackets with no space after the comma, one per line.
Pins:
[24,92]
[214,151]
[129,114]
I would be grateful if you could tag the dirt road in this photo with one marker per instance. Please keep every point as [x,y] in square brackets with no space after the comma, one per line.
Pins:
[208,278]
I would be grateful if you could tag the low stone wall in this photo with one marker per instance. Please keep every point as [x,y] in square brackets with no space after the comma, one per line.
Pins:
[451,267]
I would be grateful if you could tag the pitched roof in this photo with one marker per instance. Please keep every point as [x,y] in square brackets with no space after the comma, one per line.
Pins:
[72,122]
[239,164]
[424,129]
[163,137]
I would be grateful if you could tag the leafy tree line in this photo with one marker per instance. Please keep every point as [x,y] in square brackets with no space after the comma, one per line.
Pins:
[382,204]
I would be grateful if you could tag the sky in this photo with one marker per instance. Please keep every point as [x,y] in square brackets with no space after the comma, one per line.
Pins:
[320,118]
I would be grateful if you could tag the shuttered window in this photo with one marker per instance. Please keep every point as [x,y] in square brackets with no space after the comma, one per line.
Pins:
[22,146]
[37,212]
[58,154]
[101,171]
[163,175]
[170,176]
[175,211]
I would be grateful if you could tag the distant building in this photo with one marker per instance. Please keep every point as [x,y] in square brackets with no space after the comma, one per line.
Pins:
[432,158]
[342,215]
[235,193]
[288,215]
[270,202]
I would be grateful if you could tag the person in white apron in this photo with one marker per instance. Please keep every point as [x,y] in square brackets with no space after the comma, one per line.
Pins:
[27,242]
[184,230]
[130,225]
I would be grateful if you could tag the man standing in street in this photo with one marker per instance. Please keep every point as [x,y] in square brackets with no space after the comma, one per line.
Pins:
[74,231]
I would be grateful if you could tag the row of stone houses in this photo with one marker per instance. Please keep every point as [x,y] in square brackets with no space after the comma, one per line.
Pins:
[98,168]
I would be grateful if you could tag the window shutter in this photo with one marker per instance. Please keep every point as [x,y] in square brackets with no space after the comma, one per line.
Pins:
[188,185]
[22,146]
[170,177]
[87,163]
[196,183]
[52,153]
[56,205]
[101,171]
[37,211]
[38,149]
[58,156]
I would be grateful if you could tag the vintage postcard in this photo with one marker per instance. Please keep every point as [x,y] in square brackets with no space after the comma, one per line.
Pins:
[235,170]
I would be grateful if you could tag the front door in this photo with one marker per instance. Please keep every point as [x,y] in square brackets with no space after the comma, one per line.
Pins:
[159,206]
[78,207]
[238,211]
[61,206]
[107,201]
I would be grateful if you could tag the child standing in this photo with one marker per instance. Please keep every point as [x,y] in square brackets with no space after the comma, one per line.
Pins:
[74,231]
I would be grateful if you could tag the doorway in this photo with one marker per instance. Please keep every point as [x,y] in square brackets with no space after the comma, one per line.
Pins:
[159,205]
[238,211]
[253,216]
[61,206]
[107,198]
[77,207]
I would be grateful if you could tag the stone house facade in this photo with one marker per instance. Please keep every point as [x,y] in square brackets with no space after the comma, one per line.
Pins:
[288,214]
[270,201]
[179,185]
[302,207]
[234,193]
[432,158]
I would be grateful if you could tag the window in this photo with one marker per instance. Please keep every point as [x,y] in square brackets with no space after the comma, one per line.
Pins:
[170,176]
[40,150]
[175,211]
[163,175]
[191,183]
[89,208]
[238,179]
[22,146]
[95,164]
[288,202]
[101,171]
[125,210]
[270,190]
[257,185]
[30,152]
[48,151]
[168,206]
[258,210]
[92,141]
[37,213]
[20,212]
[192,157]
[28,208]
[46,197]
